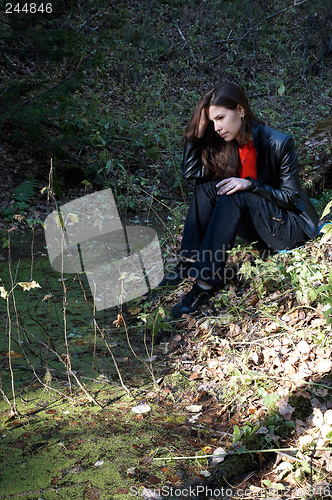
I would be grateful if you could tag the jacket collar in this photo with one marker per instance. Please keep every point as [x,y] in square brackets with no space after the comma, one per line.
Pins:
[257,129]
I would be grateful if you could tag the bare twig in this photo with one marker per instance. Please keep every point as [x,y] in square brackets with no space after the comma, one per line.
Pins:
[186,42]
[295,4]
[113,357]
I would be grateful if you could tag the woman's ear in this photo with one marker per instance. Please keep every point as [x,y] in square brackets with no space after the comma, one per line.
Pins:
[241,110]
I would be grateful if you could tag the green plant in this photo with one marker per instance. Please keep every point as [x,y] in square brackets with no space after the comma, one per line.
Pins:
[269,400]
[265,275]
[306,274]
[326,290]
[327,229]
[21,196]
[155,321]
[7,295]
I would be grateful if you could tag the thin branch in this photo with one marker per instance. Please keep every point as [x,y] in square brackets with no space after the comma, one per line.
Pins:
[240,452]
[185,41]
[113,358]
[260,23]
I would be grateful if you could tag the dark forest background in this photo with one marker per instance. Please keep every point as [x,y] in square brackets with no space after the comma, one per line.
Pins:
[104,88]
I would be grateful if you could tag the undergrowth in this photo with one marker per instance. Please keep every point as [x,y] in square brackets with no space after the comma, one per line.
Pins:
[110,88]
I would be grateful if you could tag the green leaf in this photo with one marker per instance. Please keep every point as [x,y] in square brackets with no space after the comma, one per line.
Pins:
[281,89]
[327,233]
[327,209]
[306,466]
[327,313]
[236,434]
[270,400]
[280,486]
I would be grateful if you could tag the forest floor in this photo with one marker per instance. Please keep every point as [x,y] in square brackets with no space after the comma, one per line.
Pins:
[232,402]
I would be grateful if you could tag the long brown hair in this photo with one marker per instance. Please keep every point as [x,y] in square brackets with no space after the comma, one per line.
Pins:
[219,156]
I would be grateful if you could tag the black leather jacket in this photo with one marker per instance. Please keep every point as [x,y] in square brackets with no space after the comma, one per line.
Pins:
[277,174]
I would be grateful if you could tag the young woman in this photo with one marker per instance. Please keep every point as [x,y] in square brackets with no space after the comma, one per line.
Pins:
[247,185]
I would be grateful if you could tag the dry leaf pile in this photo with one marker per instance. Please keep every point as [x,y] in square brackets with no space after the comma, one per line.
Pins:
[252,364]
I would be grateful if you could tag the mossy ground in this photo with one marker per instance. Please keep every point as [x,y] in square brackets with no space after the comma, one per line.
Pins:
[50,450]
[54,453]
[73,442]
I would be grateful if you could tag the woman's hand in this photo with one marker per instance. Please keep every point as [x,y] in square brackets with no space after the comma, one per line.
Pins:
[203,123]
[231,185]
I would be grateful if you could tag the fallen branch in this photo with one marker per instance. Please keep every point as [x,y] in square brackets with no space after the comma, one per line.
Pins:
[281,451]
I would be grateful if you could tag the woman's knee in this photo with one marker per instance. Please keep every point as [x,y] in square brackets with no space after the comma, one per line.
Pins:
[206,189]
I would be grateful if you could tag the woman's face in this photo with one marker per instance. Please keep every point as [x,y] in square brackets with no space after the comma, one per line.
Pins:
[227,122]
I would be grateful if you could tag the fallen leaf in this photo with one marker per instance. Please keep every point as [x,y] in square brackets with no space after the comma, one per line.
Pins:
[303,393]
[318,418]
[72,447]
[251,410]
[194,408]
[139,409]
[204,473]
[285,409]
[328,417]
[323,366]
[272,327]
[252,301]
[121,491]
[174,479]
[131,471]
[195,417]
[14,355]
[99,463]
[289,368]
[154,480]
[218,456]
[318,322]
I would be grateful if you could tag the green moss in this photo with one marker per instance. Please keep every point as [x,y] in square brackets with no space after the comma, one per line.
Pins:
[56,453]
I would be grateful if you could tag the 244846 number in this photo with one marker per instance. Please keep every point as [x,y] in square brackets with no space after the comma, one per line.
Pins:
[28,8]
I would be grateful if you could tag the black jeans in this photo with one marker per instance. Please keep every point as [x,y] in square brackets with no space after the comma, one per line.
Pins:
[214,221]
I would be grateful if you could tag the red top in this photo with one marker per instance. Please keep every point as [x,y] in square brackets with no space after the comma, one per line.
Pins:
[248,161]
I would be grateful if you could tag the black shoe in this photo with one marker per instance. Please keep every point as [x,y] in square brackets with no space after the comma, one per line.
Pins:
[179,273]
[195,298]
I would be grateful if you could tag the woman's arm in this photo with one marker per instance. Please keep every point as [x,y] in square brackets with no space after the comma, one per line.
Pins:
[192,166]
[280,181]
